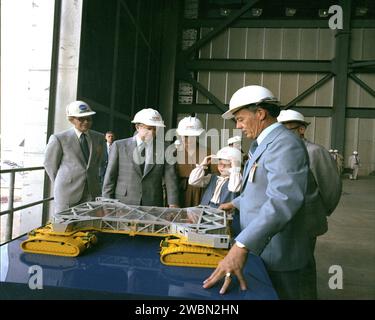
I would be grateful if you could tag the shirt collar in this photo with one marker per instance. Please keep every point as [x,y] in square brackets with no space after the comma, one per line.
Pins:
[140,141]
[267,131]
[78,133]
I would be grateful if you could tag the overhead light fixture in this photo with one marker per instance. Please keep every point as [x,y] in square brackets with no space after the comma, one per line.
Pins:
[361,11]
[323,13]
[224,12]
[256,12]
[290,12]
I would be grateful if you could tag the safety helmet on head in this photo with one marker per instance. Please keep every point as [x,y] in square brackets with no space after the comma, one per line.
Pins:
[190,126]
[355,152]
[228,153]
[331,150]
[149,117]
[291,115]
[78,109]
[235,139]
[335,151]
[249,95]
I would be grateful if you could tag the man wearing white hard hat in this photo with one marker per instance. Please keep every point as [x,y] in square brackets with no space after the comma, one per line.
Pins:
[354,164]
[189,153]
[323,177]
[272,201]
[134,174]
[73,159]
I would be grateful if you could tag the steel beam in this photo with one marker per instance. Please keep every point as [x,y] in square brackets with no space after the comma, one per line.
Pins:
[363,113]
[340,91]
[310,90]
[261,65]
[219,105]
[274,23]
[221,26]
[362,84]
[308,111]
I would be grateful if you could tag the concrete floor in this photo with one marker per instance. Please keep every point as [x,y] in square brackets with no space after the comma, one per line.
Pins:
[350,243]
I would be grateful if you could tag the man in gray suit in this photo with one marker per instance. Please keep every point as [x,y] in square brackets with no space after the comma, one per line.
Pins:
[327,181]
[73,158]
[137,168]
[272,201]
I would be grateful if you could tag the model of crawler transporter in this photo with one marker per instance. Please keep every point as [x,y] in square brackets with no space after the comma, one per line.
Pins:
[197,236]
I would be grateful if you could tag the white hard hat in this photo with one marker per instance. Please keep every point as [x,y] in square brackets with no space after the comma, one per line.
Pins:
[330,150]
[234,139]
[78,109]
[190,126]
[291,115]
[335,151]
[247,96]
[228,153]
[149,117]
[355,152]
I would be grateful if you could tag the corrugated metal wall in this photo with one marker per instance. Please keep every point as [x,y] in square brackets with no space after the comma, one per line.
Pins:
[296,44]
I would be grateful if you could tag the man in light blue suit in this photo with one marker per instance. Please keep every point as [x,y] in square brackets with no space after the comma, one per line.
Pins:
[272,202]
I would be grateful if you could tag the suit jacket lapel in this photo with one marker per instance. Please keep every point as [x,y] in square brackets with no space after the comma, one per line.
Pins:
[76,146]
[148,167]
[131,148]
[258,152]
[90,148]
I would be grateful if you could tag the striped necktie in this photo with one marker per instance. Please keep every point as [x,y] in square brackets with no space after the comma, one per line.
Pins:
[142,152]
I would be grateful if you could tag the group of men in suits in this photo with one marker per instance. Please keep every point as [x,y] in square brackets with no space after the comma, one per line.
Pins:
[283,203]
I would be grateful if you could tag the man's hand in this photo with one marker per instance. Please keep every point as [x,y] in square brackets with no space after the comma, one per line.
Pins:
[226,206]
[230,266]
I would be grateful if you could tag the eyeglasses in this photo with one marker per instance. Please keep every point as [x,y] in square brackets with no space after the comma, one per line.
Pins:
[149,128]
[83,119]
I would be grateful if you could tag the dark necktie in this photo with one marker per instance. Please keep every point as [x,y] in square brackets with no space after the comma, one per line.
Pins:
[253,147]
[84,147]
[143,156]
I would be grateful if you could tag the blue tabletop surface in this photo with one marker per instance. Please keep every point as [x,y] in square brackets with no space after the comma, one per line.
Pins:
[128,267]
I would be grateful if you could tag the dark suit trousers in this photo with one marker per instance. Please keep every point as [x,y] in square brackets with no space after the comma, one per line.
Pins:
[297,284]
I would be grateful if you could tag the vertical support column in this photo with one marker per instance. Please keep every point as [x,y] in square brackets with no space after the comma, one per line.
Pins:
[52,99]
[168,60]
[340,68]
[68,59]
[64,72]
[9,220]
[115,67]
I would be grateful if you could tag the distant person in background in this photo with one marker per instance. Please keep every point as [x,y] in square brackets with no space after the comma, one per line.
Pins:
[339,161]
[73,158]
[134,175]
[109,138]
[332,155]
[189,153]
[354,164]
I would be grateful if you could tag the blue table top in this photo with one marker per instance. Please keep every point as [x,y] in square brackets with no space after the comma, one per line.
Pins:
[129,267]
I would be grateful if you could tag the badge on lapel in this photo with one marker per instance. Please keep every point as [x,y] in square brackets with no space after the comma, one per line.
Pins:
[252,172]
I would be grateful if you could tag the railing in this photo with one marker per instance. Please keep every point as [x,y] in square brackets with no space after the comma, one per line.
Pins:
[10,211]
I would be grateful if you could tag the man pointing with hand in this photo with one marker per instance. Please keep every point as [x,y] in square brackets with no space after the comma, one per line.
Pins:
[272,200]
